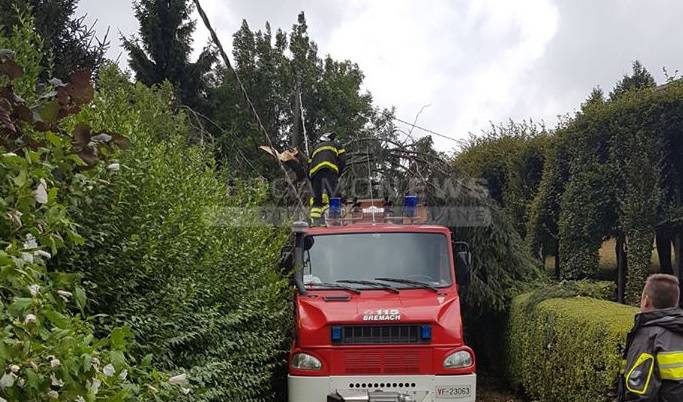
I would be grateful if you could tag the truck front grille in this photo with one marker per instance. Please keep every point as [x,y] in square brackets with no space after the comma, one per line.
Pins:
[378,335]
[388,362]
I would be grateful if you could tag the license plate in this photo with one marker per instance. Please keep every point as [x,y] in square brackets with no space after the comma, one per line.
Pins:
[453,391]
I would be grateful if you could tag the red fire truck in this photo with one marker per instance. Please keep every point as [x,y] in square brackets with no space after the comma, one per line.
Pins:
[378,312]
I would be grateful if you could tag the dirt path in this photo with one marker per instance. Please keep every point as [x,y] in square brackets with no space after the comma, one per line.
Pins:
[490,389]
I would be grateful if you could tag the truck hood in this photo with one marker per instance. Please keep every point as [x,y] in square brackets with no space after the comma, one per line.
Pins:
[318,310]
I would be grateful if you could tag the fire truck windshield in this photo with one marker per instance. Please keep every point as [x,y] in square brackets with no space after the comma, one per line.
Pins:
[422,257]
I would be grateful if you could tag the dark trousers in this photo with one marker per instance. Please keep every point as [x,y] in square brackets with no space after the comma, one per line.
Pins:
[324,181]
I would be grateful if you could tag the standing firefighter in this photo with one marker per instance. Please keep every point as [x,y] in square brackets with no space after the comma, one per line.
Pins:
[325,165]
[654,348]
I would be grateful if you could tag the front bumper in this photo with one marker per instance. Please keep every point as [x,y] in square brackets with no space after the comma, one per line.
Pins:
[420,388]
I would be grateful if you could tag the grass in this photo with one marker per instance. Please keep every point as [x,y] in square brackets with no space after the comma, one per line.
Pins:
[608,261]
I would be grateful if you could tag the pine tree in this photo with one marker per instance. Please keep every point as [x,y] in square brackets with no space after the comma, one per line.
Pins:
[163,50]
[69,42]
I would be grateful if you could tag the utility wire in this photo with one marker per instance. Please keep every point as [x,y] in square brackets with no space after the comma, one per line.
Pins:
[303,121]
[417,116]
[372,197]
[199,115]
[226,60]
[461,142]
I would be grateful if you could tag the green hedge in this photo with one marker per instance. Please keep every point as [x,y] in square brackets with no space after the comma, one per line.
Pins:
[566,349]
[601,290]
[203,296]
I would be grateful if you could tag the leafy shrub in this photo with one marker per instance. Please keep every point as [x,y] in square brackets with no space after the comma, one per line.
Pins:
[501,269]
[509,158]
[48,349]
[566,349]
[602,290]
[501,264]
[166,256]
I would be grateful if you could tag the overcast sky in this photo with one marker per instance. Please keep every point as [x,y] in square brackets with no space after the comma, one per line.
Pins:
[472,61]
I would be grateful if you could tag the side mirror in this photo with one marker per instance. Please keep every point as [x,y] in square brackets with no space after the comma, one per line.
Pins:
[299,229]
[463,263]
[308,242]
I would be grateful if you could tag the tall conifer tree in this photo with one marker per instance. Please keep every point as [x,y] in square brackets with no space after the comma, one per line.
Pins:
[163,50]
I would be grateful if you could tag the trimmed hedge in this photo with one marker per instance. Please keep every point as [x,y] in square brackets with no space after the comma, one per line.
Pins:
[566,349]
[601,290]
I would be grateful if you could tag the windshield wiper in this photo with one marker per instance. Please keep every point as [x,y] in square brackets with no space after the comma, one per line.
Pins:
[334,286]
[377,285]
[410,282]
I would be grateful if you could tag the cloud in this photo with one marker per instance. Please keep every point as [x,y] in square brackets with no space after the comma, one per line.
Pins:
[465,59]
[227,15]
[119,19]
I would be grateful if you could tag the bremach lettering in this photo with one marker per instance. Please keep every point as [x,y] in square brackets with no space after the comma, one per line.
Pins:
[382,315]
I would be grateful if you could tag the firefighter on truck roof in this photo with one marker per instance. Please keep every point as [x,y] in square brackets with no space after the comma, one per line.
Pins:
[325,165]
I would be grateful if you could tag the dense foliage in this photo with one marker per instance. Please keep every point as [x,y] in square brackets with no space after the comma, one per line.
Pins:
[607,172]
[509,159]
[566,350]
[287,78]
[501,265]
[176,254]
[68,43]
[48,349]
[620,179]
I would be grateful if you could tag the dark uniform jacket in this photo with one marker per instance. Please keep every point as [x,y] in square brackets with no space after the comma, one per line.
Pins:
[327,155]
[654,358]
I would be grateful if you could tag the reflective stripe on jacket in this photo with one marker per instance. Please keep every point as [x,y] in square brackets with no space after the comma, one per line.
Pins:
[330,155]
[653,369]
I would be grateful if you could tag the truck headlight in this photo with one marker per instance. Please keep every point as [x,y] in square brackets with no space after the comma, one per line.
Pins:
[304,361]
[459,359]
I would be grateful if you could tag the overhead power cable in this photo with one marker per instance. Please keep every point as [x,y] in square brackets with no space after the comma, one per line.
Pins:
[303,121]
[461,142]
[199,116]
[226,60]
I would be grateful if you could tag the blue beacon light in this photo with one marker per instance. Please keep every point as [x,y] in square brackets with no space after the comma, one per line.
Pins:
[335,208]
[410,206]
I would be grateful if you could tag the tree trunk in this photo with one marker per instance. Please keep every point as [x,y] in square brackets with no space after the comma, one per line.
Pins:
[295,139]
[639,254]
[621,268]
[557,260]
[678,237]
[663,241]
[679,261]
